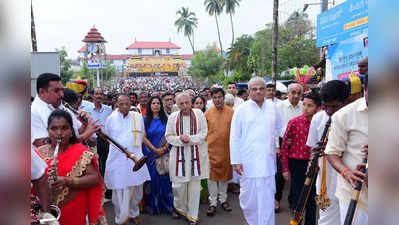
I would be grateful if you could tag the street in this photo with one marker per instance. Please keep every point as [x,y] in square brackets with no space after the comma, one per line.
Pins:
[235,217]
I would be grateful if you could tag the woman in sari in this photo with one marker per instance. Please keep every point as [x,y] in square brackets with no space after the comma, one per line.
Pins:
[78,188]
[158,192]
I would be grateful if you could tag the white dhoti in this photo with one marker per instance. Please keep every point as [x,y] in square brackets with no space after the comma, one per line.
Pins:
[360,218]
[186,198]
[217,189]
[331,214]
[257,200]
[126,203]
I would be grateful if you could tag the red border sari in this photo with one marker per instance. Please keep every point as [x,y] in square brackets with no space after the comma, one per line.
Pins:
[73,163]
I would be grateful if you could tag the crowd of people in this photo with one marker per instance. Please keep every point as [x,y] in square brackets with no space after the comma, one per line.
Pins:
[155,83]
[198,146]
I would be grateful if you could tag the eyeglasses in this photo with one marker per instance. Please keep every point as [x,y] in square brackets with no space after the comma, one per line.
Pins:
[258,89]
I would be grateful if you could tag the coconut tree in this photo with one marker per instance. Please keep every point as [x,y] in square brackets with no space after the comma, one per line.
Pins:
[187,22]
[215,8]
[230,9]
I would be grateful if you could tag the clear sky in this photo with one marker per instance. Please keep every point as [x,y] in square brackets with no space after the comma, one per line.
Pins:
[65,23]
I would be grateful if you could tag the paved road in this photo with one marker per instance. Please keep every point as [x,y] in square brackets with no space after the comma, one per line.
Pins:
[221,217]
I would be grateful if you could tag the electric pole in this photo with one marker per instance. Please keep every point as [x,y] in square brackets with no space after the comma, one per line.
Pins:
[274,41]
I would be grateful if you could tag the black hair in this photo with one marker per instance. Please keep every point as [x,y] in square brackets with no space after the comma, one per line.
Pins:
[269,85]
[59,113]
[202,99]
[278,93]
[149,116]
[70,96]
[178,90]
[206,89]
[242,91]
[217,90]
[133,94]
[167,94]
[32,98]
[315,96]
[232,82]
[44,79]
[334,90]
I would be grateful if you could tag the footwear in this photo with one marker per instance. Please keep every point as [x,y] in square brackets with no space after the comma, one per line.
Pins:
[193,222]
[175,215]
[136,220]
[211,211]
[226,207]
[276,206]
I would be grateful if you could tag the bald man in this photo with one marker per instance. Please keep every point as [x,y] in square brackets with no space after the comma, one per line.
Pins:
[186,131]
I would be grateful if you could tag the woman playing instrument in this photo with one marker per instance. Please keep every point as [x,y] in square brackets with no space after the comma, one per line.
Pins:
[158,192]
[78,187]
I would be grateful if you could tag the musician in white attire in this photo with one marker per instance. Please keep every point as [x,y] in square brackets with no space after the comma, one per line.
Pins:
[126,128]
[186,131]
[252,153]
[334,95]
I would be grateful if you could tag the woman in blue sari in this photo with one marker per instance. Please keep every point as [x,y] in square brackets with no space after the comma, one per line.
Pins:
[158,195]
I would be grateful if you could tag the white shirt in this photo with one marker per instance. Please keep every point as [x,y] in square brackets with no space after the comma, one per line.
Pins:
[316,130]
[287,112]
[252,138]
[119,169]
[101,115]
[37,166]
[86,105]
[237,101]
[40,111]
[209,104]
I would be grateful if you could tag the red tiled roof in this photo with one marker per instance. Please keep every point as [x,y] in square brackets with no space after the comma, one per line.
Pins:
[186,56]
[112,57]
[82,50]
[148,44]
[93,36]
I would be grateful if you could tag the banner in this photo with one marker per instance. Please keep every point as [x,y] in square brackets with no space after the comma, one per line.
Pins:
[345,55]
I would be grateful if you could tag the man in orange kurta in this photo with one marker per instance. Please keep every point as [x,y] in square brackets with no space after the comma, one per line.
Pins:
[219,119]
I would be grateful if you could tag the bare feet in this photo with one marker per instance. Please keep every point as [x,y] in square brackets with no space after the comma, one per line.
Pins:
[137,220]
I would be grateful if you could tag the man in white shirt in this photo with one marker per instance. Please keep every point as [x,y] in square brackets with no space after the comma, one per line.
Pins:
[334,95]
[348,136]
[48,98]
[126,128]
[232,89]
[288,109]
[252,153]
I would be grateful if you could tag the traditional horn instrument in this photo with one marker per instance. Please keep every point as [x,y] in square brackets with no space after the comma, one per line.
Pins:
[54,210]
[355,198]
[138,163]
[297,215]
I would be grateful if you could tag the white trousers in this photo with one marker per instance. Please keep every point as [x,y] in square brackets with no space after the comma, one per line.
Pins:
[216,188]
[186,197]
[126,203]
[257,200]
[361,218]
[331,214]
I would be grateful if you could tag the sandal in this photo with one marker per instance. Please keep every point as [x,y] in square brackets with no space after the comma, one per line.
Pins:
[193,223]
[211,211]
[226,207]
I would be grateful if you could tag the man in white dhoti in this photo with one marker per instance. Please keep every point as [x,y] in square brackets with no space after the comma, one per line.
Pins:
[126,128]
[252,153]
[186,130]
[334,95]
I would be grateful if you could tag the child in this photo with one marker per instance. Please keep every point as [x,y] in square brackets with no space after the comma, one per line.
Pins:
[295,154]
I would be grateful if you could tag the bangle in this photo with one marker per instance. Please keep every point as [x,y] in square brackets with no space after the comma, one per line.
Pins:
[344,171]
[75,180]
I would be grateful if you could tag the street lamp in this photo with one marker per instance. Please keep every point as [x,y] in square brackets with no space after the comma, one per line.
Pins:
[95,49]
[323,3]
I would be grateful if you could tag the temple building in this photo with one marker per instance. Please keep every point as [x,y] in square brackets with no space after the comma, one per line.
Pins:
[148,59]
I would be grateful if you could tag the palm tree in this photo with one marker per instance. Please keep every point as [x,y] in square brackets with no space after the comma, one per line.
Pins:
[230,9]
[187,22]
[215,8]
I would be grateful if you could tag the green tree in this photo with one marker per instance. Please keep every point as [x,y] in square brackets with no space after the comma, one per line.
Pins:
[187,22]
[215,8]
[207,64]
[296,45]
[230,9]
[237,59]
[66,72]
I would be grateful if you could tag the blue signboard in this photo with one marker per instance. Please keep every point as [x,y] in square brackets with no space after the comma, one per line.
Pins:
[345,55]
[347,20]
